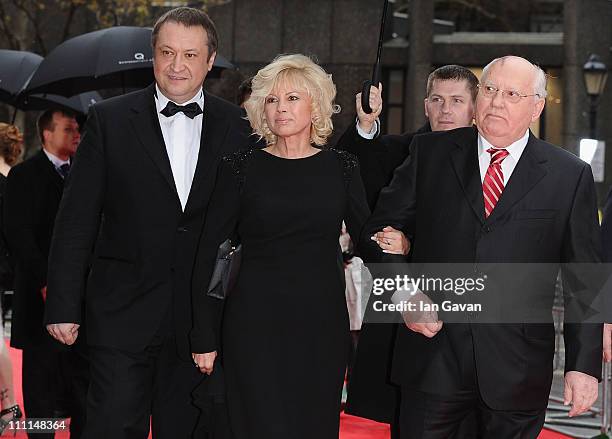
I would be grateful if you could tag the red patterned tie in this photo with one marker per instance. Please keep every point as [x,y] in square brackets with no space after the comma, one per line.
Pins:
[493,184]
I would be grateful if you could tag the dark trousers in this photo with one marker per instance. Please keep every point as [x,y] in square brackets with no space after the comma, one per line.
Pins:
[130,391]
[427,416]
[74,368]
[463,414]
[48,373]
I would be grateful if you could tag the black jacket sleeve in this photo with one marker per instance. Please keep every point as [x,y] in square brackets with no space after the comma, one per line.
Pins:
[378,158]
[76,227]
[583,342]
[22,214]
[219,225]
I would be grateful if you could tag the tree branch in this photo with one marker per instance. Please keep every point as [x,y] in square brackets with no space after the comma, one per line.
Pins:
[6,29]
[71,11]
[35,23]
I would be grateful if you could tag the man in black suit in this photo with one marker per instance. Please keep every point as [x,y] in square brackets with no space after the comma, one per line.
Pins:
[127,231]
[492,194]
[451,94]
[31,200]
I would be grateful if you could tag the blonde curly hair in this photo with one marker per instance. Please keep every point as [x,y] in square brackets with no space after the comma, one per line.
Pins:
[11,143]
[301,72]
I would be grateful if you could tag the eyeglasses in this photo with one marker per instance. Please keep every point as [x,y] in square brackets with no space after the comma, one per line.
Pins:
[512,96]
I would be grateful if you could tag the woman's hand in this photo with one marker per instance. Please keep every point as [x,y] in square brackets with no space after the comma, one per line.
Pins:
[392,241]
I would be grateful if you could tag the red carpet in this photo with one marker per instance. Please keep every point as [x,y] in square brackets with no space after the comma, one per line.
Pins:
[351,426]
[359,428]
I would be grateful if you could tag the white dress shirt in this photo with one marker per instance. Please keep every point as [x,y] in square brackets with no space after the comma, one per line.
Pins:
[57,162]
[373,133]
[182,138]
[508,164]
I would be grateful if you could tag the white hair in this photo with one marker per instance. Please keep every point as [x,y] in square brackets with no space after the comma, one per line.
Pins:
[539,83]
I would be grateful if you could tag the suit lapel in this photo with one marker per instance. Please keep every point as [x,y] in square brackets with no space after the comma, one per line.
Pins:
[464,159]
[212,139]
[48,169]
[147,129]
[527,173]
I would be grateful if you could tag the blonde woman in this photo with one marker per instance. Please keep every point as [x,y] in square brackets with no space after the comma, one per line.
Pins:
[11,147]
[285,332]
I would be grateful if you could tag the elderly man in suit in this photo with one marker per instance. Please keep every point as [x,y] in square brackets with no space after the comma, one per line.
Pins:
[482,195]
[33,192]
[127,231]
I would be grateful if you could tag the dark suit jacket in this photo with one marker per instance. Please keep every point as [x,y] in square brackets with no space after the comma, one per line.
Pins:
[606,229]
[121,215]
[379,157]
[546,214]
[31,199]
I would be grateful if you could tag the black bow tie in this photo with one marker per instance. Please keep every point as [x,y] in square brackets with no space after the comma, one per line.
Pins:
[190,110]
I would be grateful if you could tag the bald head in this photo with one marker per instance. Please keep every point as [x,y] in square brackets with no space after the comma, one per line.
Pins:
[539,77]
[502,120]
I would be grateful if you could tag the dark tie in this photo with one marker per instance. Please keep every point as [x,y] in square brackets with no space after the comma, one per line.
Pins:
[64,170]
[190,110]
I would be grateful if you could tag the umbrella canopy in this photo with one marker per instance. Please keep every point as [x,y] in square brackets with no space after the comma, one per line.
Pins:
[79,103]
[16,67]
[117,57]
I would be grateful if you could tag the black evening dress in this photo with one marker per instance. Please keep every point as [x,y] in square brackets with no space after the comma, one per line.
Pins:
[285,331]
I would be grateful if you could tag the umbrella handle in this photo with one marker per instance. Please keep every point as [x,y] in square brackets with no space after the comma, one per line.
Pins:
[14,116]
[365,89]
[365,97]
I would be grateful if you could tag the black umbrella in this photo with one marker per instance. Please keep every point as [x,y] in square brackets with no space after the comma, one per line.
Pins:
[16,67]
[365,92]
[79,103]
[117,57]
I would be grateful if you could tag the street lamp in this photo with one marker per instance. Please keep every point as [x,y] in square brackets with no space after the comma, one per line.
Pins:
[595,75]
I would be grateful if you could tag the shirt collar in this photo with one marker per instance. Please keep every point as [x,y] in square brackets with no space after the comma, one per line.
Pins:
[57,162]
[515,149]
[161,101]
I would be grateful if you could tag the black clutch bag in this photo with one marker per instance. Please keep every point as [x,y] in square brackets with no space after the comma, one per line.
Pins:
[226,270]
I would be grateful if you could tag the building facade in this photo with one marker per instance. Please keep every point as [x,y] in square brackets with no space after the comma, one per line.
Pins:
[558,35]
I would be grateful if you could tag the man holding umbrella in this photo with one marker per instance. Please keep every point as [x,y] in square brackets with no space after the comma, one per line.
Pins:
[126,235]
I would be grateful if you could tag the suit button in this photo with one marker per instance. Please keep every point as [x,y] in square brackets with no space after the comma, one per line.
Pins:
[182,229]
[487,229]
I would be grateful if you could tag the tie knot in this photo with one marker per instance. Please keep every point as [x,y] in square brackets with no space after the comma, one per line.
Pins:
[64,170]
[497,155]
[190,110]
